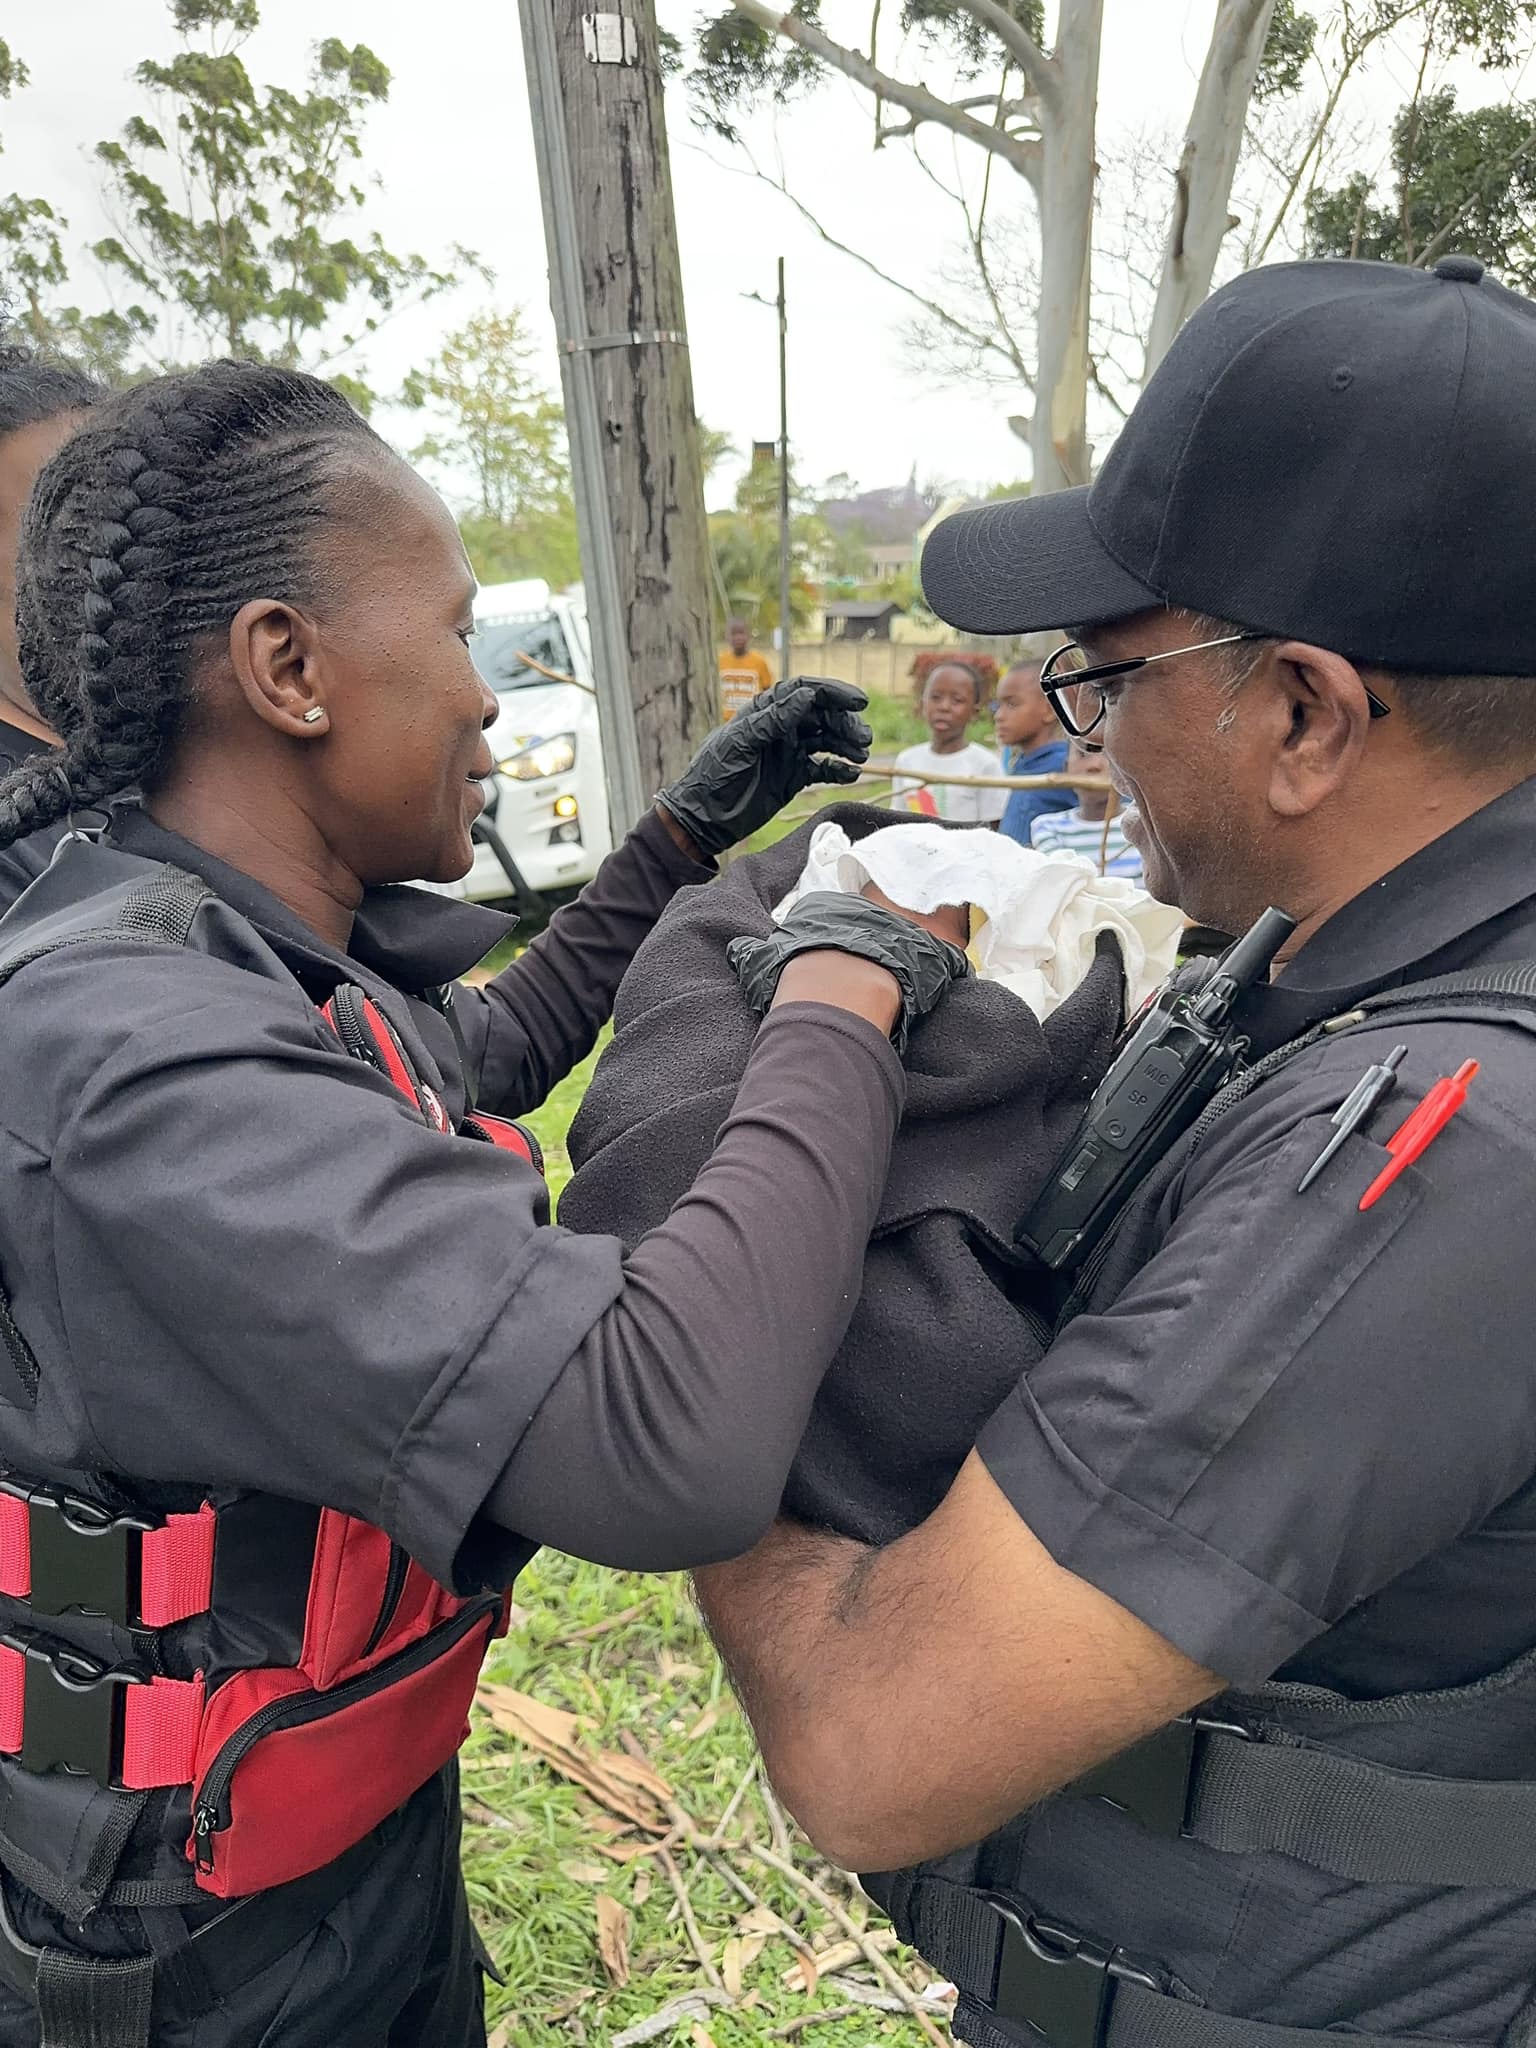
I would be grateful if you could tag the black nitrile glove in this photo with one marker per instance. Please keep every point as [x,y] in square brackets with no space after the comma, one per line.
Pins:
[924,966]
[747,770]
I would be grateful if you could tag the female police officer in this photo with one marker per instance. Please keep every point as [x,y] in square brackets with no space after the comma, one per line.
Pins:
[297,1378]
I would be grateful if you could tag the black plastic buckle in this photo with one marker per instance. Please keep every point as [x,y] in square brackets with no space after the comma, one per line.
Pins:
[84,1558]
[1152,1781]
[72,1710]
[1056,1982]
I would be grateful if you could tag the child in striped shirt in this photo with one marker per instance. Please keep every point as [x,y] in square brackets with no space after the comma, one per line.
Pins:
[1089,829]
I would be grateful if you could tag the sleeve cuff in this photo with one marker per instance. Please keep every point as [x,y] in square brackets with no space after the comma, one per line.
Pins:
[1209,1607]
[455,1447]
[679,867]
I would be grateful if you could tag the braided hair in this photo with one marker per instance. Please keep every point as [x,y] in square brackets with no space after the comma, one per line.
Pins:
[173,506]
[35,388]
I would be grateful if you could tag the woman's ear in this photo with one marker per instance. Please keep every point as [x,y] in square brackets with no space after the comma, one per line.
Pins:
[1329,715]
[275,655]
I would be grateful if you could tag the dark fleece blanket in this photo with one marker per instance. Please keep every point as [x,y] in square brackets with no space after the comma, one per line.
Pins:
[951,1312]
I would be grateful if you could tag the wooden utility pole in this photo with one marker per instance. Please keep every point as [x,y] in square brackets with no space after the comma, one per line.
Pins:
[595,89]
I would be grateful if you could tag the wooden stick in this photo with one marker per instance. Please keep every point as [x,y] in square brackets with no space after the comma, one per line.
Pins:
[610,1622]
[775,1813]
[883,1968]
[887,771]
[685,1907]
[815,2019]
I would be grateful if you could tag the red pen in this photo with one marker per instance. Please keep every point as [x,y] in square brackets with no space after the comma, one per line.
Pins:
[1419,1130]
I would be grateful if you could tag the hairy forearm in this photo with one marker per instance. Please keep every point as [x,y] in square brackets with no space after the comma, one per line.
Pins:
[774,1615]
[814,1632]
[910,1699]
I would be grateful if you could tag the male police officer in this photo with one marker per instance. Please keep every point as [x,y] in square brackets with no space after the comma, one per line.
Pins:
[1287,1448]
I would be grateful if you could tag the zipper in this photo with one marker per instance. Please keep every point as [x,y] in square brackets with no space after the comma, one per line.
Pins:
[210,1814]
[394,1586]
[347,1017]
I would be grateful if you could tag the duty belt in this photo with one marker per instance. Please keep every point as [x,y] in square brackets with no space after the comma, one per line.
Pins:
[1215,1778]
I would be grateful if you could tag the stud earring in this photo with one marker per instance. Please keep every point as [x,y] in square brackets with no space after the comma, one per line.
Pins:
[314,714]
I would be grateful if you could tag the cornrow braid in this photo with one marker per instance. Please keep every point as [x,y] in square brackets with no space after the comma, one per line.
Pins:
[174,505]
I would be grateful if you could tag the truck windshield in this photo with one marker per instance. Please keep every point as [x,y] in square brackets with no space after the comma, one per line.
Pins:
[510,653]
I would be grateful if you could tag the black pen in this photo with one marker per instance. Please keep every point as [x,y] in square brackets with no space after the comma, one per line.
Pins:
[1373,1084]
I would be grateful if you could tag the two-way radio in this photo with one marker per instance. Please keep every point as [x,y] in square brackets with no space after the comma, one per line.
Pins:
[1184,1050]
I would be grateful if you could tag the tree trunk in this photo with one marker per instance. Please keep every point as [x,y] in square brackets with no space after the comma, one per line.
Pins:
[1059,431]
[1203,181]
[631,286]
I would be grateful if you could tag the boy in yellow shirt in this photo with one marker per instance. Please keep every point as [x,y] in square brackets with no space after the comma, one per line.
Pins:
[743,671]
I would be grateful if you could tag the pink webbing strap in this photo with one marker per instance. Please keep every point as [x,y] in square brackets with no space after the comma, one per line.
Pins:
[13,1668]
[175,1571]
[160,1724]
[175,1563]
[15,1550]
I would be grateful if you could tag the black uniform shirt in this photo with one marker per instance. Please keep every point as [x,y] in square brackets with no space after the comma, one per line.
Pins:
[1302,1441]
[243,1259]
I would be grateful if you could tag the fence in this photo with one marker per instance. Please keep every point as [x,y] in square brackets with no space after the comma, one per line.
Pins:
[883,666]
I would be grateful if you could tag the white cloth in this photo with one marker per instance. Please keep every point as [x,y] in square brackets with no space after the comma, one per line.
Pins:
[1034,916]
[910,792]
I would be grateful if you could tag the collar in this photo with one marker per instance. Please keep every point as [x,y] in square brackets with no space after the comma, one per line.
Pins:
[1046,755]
[411,938]
[1467,895]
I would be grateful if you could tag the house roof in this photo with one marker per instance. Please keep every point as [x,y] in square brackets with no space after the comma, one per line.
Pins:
[860,608]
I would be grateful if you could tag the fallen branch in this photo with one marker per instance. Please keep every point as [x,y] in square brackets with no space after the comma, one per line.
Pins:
[693,2005]
[825,2017]
[605,1627]
[885,1970]
[841,1955]
[674,1877]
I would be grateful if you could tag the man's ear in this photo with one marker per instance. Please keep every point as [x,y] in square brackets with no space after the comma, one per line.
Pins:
[275,655]
[1327,716]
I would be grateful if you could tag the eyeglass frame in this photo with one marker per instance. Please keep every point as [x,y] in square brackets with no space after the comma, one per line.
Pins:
[1106,671]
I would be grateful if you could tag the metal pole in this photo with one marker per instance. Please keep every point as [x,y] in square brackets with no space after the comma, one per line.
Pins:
[783,479]
[627,794]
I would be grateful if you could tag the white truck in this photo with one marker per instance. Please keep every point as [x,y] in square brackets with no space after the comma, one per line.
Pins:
[545,828]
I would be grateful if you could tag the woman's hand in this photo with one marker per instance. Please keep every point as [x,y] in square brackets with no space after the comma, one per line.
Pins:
[857,954]
[747,770]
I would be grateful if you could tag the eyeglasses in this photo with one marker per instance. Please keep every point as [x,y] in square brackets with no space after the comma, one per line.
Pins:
[1067,674]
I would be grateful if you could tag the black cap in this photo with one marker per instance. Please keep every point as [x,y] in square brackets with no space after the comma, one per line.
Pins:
[1343,452]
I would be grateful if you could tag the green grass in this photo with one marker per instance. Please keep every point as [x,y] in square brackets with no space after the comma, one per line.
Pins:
[628,1652]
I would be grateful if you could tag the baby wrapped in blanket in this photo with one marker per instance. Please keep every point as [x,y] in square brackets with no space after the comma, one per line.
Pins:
[952,1311]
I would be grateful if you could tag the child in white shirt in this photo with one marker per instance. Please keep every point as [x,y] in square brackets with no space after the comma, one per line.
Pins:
[951,699]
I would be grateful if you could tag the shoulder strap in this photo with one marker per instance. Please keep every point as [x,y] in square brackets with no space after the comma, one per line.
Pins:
[1507,992]
[158,911]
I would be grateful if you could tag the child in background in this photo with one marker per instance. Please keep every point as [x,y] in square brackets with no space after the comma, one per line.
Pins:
[1084,829]
[1033,744]
[951,699]
[744,673]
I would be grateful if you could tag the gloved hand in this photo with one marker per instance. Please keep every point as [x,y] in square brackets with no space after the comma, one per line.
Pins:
[748,769]
[923,965]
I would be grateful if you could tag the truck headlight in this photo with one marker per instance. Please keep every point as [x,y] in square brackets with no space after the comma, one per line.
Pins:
[541,758]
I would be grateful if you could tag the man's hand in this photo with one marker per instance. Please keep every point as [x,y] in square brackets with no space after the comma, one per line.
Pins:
[911,1699]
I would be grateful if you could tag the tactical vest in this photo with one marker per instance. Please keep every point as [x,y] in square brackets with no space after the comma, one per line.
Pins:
[234,1689]
[1284,1852]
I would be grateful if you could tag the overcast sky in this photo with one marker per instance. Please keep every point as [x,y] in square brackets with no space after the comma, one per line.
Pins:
[453,154]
